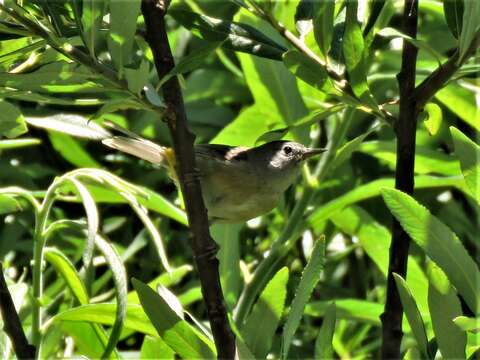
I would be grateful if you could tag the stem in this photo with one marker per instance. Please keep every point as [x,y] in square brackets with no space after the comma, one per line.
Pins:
[292,230]
[37,271]
[12,324]
[404,180]
[204,247]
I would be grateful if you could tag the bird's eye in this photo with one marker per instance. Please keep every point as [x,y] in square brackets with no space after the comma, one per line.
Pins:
[287,150]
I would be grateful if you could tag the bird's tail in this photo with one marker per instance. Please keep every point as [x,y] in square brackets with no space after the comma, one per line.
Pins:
[110,134]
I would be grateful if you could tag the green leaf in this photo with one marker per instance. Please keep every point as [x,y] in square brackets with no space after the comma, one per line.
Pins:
[308,281]
[261,324]
[470,27]
[184,339]
[433,119]
[413,315]
[444,307]
[152,347]
[323,343]
[344,153]
[353,51]
[72,151]
[422,45]
[137,78]
[375,240]
[461,102]
[307,69]
[12,122]
[123,24]
[323,25]
[120,279]
[427,161]
[92,15]
[453,11]
[234,36]
[227,237]
[65,268]
[135,320]
[373,189]
[469,155]
[87,339]
[438,242]
[468,324]
[18,143]
[192,61]
[351,309]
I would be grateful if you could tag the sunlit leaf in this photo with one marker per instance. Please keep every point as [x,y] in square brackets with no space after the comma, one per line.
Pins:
[323,343]
[12,122]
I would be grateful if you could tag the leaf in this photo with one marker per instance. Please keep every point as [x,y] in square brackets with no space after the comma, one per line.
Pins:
[323,25]
[461,102]
[120,279]
[438,242]
[413,315]
[227,236]
[373,189]
[433,120]
[185,340]
[308,281]
[153,346]
[323,343]
[351,309]
[453,11]
[261,324]
[92,15]
[137,78]
[136,318]
[123,24]
[192,61]
[65,268]
[422,45]
[344,152]
[444,306]
[469,155]
[12,122]
[234,36]
[470,27]
[72,151]
[468,324]
[427,161]
[306,69]
[353,51]
[18,143]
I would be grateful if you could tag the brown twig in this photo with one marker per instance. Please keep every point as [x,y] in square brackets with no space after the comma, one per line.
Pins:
[405,129]
[12,324]
[203,245]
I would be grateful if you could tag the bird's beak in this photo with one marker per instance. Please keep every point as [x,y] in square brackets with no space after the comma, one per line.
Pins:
[312,152]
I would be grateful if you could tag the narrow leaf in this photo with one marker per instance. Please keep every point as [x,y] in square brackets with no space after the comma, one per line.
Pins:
[469,155]
[323,24]
[413,315]
[261,324]
[323,343]
[92,15]
[12,122]
[306,69]
[444,306]
[434,118]
[308,281]
[453,11]
[185,340]
[438,242]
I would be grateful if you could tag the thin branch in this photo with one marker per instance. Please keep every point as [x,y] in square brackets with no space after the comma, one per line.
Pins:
[437,79]
[12,323]
[203,245]
[405,130]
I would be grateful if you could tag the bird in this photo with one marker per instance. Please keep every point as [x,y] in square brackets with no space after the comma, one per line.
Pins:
[238,183]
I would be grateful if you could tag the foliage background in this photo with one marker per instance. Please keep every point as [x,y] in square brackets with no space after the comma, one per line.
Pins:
[234,98]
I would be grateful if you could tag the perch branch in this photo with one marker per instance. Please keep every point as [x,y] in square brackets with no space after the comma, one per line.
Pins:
[203,245]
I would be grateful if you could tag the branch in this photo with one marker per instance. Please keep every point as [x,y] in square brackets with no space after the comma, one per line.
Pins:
[12,324]
[437,79]
[405,129]
[203,245]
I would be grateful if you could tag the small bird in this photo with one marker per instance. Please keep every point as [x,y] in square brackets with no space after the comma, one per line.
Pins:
[238,183]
